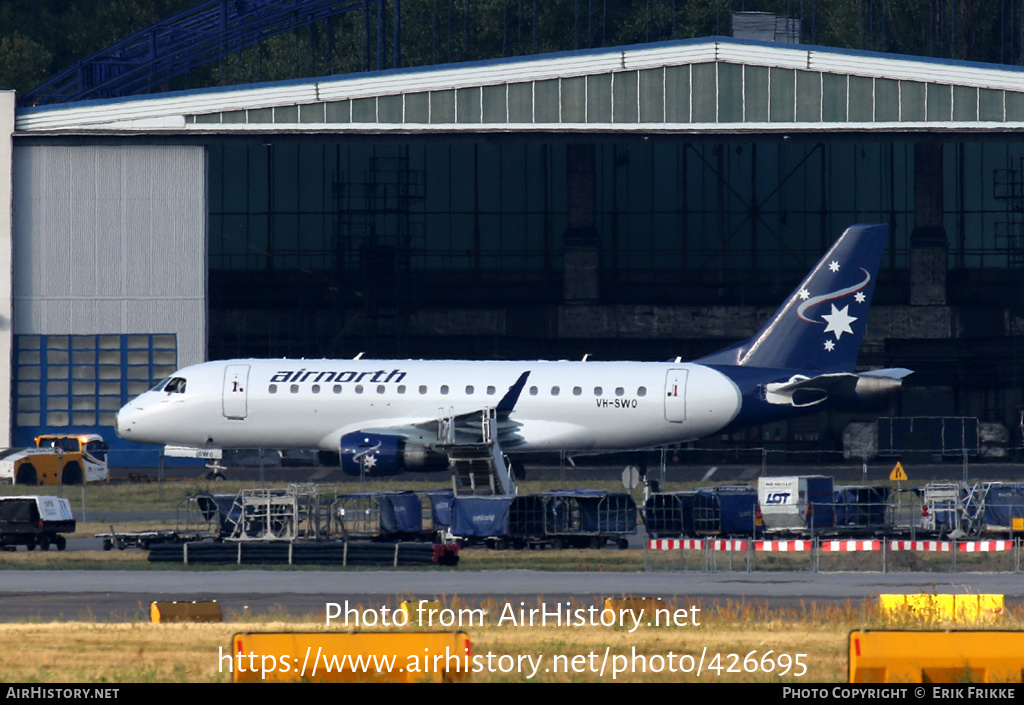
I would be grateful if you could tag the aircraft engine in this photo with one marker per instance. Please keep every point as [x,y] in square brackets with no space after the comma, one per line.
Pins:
[379,454]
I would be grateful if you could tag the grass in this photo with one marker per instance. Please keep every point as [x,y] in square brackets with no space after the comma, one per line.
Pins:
[85,650]
[139,651]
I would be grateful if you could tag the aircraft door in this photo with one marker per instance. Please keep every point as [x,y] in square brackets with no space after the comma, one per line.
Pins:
[236,391]
[675,395]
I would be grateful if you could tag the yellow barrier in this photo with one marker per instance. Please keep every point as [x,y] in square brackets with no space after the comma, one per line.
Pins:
[162,612]
[962,608]
[362,657]
[635,606]
[415,615]
[936,657]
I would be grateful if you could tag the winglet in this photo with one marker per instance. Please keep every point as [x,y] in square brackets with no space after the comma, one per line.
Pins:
[508,402]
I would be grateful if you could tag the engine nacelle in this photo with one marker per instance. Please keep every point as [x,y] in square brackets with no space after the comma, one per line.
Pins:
[379,454]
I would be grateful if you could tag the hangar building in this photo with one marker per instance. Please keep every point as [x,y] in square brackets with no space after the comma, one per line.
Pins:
[642,202]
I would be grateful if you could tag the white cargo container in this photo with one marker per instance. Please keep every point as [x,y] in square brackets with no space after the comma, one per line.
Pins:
[796,504]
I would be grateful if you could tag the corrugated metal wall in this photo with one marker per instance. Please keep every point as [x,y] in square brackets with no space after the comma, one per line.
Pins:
[111,240]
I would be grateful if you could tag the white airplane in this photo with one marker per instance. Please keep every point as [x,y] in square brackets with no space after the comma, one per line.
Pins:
[386,416]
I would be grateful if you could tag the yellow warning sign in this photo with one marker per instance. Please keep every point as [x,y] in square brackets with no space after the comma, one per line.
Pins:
[898,473]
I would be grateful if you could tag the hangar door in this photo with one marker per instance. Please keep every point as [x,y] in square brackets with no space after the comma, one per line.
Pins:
[109,279]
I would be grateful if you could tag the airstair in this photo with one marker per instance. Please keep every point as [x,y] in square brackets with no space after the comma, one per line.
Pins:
[477,464]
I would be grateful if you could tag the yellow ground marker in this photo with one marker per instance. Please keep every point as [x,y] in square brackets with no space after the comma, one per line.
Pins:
[936,657]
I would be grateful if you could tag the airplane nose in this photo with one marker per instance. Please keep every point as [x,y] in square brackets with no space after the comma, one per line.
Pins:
[122,424]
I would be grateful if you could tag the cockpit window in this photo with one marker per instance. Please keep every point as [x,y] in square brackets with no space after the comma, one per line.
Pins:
[175,385]
[160,384]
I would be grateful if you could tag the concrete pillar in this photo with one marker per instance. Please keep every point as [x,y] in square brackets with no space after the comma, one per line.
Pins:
[7,101]
[581,261]
[928,243]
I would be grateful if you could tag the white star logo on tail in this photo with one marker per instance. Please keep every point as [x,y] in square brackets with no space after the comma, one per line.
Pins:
[839,321]
[812,301]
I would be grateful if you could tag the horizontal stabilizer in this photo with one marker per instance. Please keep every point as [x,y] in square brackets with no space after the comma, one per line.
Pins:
[888,373]
[801,391]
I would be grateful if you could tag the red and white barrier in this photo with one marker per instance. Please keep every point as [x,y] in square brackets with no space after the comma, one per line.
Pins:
[984,546]
[937,546]
[784,546]
[850,545]
[828,546]
[675,544]
[727,545]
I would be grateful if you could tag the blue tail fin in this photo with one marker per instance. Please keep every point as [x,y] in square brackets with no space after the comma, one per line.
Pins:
[821,324]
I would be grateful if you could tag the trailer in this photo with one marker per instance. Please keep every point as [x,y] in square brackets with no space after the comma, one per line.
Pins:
[35,520]
[861,509]
[669,514]
[477,520]
[998,509]
[380,516]
[572,519]
[201,517]
[727,510]
[799,504]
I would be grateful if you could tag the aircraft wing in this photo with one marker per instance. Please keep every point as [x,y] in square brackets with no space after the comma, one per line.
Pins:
[464,427]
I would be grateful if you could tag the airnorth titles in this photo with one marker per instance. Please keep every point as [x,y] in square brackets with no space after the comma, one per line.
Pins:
[325,376]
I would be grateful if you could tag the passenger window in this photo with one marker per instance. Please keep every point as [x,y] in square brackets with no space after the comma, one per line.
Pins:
[598,391]
[423,389]
[295,389]
[401,389]
[380,389]
[359,389]
[576,391]
[491,390]
[337,389]
[444,389]
[533,391]
[272,389]
[316,389]
[619,391]
[554,391]
[642,392]
[469,389]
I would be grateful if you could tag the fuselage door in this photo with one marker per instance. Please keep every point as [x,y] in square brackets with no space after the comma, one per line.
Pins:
[675,395]
[236,391]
